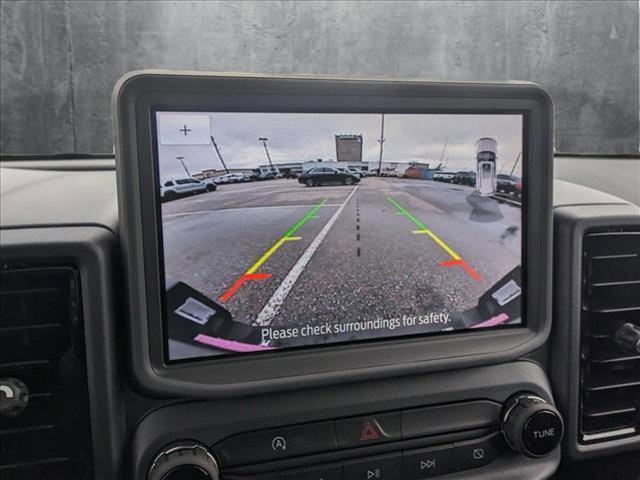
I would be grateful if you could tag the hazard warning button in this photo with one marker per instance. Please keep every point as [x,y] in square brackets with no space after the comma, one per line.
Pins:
[356,432]
[370,431]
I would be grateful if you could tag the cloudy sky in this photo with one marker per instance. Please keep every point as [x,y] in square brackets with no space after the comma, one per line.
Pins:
[297,137]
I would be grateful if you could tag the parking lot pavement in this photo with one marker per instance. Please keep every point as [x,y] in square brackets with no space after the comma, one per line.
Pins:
[278,254]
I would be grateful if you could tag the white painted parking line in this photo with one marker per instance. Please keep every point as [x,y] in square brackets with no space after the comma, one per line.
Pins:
[275,302]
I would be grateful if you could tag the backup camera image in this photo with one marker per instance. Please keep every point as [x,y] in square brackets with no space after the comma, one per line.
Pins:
[285,230]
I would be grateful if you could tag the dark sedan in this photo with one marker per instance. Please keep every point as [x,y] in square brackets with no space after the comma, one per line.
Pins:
[465,178]
[327,175]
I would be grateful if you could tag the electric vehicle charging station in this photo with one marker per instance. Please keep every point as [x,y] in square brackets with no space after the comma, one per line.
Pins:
[486,153]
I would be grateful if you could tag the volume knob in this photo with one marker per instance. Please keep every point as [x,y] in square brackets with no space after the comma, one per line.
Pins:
[530,425]
[184,460]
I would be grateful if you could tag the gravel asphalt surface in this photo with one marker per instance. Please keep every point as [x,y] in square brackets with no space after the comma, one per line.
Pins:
[350,255]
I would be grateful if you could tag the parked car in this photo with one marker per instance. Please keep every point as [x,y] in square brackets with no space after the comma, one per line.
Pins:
[509,185]
[174,188]
[465,178]
[324,175]
[355,171]
[222,179]
[349,171]
[293,173]
[235,177]
[446,177]
[266,176]
[210,184]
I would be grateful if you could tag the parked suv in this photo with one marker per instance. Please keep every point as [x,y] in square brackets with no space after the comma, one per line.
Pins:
[174,188]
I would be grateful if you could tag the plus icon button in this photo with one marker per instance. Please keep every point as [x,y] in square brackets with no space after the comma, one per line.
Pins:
[185,130]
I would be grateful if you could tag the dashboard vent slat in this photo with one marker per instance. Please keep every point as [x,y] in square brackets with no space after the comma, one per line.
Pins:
[42,345]
[609,374]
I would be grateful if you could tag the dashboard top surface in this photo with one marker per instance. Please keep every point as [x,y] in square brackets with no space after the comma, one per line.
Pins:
[50,193]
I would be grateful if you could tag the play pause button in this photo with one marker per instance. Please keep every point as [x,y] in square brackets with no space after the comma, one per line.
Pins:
[383,467]
[427,462]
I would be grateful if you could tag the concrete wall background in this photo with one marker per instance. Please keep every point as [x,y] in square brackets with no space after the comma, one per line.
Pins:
[60,59]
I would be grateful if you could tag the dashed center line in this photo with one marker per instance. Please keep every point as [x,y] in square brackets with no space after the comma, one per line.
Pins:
[358,251]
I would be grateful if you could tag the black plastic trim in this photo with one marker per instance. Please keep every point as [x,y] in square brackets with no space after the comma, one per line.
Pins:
[209,422]
[92,251]
[570,224]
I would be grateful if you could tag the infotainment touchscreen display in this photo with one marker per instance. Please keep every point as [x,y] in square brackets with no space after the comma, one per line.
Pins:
[289,230]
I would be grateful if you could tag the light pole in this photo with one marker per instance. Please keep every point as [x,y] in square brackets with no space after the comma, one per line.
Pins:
[264,143]
[181,160]
[444,149]
[381,141]
[516,163]
[215,145]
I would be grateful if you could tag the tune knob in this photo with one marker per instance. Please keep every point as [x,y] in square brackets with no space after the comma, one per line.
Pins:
[185,460]
[530,425]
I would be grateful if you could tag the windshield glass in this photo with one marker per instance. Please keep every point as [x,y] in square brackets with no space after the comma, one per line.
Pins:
[61,59]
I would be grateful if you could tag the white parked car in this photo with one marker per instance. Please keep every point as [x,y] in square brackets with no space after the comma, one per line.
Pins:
[210,183]
[232,178]
[177,187]
[355,171]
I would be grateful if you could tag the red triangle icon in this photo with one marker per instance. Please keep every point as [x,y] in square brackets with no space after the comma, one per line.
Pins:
[369,432]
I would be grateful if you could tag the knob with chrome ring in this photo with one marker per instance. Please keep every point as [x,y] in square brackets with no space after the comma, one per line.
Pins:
[184,460]
[530,425]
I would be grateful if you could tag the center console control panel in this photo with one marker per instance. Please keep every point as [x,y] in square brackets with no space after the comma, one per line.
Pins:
[355,432]
[410,444]
[409,464]
[496,422]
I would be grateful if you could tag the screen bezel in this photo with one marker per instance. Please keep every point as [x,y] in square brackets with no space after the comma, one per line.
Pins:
[161,257]
[138,95]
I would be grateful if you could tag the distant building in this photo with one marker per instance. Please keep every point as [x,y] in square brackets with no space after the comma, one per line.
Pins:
[213,172]
[349,148]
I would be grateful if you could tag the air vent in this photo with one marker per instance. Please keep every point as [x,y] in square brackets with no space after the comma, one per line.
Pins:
[42,346]
[609,373]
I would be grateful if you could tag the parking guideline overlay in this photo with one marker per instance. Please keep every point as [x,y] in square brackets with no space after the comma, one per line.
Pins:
[251,273]
[456,260]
